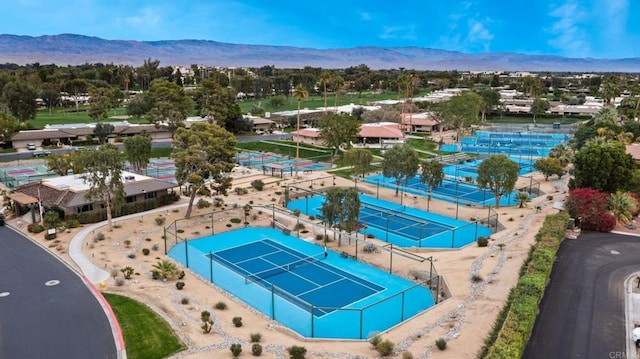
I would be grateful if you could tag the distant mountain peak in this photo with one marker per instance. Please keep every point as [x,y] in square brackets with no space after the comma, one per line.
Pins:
[74,49]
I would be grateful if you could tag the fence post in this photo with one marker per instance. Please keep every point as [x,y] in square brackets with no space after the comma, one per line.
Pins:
[211,266]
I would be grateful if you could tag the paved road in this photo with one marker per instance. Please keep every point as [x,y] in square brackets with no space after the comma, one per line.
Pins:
[582,312]
[52,321]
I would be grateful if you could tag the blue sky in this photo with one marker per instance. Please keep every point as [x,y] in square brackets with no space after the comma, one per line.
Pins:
[572,28]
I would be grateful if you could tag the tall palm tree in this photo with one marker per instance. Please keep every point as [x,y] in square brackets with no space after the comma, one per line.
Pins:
[325,78]
[338,82]
[300,93]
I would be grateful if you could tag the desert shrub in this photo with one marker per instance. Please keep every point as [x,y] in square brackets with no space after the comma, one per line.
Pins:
[160,220]
[256,350]
[218,202]
[127,272]
[385,347]
[155,247]
[369,248]
[203,203]
[237,321]
[220,306]
[407,355]
[241,190]
[375,340]
[236,349]
[441,344]
[119,282]
[131,255]
[145,251]
[476,278]
[256,337]
[370,235]
[184,300]
[179,285]
[257,184]
[207,322]
[35,228]
[319,237]
[50,236]
[296,352]
[73,223]
[298,226]
[181,274]
[127,242]
[235,220]
[482,241]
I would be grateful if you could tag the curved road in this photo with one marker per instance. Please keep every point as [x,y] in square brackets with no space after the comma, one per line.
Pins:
[46,310]
[582,314]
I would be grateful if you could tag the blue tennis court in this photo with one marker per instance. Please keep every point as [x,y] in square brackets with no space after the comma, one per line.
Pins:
[508,143]
[310,280]
[470,168]
[291,281]
[403,226]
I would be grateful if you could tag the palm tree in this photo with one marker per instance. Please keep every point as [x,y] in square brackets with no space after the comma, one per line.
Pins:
[338,82]
[300,93]
[522,198]
[562,153]
[622,204]
[325,78]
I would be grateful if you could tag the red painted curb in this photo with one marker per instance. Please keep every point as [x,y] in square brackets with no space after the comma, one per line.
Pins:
[110,313]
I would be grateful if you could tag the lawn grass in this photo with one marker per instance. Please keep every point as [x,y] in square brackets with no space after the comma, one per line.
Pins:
[146,335]
[317,100]
[288,148]
[69,116]
[158,152]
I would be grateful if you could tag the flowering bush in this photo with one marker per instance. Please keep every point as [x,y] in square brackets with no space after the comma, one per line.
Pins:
[592,205]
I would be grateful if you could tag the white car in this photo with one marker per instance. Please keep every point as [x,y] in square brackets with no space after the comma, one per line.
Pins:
[31,146]
[635,335]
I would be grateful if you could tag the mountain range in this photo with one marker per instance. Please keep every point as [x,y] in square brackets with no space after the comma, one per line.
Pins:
[71,49]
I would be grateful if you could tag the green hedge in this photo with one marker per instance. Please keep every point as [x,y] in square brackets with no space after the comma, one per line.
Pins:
[514,324]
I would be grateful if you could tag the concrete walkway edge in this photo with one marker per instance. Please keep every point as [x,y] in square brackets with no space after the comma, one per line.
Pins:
[632,315]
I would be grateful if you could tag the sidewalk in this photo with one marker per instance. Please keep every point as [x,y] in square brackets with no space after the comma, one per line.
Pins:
[632,315]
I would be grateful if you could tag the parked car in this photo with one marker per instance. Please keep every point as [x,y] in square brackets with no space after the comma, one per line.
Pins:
[1,219]
[42,153]
[31,146]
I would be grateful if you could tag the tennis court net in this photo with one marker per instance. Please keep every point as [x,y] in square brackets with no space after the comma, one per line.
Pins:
[260,276]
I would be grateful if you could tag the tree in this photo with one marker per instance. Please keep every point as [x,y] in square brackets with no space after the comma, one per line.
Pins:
[169,106]
[341,207]
[549,166]
[400,162]
[562,153]
[622,205]
[338,129]
[325,79]
[604,166]
[300,93]
[8,125]
[75,88]
[99,102]
[50,94]
[20,98]
[433,175]
[63,163]
[359,159]
[461,111]
[103,172]
[539,107]
[103,130]
[338,83]
[139,105]
[203,153]
[532,86]
[137,150]
[499,174]
[522,198]
[51,219]
[207,322]
[491,100]
[609,90]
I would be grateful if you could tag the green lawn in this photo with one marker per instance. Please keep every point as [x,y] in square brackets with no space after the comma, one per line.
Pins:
[315,101]
[146,335]
[287,148]
[68,115]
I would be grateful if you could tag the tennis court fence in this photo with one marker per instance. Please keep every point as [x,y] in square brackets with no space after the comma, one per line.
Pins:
[351,245]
